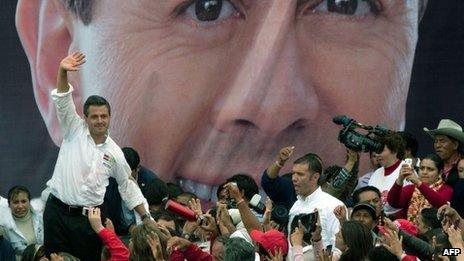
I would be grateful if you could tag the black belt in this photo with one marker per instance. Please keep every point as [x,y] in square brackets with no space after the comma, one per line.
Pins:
[68,208]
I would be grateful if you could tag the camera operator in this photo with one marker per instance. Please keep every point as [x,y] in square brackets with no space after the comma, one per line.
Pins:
[390,161]
[341,182]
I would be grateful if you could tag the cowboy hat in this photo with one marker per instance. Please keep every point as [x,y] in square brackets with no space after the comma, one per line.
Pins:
[448,128]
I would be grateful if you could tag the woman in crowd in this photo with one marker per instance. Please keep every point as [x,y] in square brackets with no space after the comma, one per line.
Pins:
[427,189]
[22,224]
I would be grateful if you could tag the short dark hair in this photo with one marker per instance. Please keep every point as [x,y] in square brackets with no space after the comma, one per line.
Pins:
[174,190]
[96,100]
[155,192]
[246,183]
[238,248]
[357,192]
[313,160]
[132,157]
[14,191]
[411,142]
[429,217]
[395,143]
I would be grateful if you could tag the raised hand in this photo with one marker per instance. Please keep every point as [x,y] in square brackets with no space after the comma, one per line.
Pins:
[296,238]
[340,213]
[95,219]
[285,154]
[267,215]
[277,256]
[109,225]
[393,243]
[155,246]
[326,255]
[195,205]
[72,62]
[233,191]
[177,243]
[454,237]
[390,225]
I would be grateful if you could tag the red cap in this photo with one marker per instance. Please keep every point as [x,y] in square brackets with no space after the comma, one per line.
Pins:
[407,226]
[271,240]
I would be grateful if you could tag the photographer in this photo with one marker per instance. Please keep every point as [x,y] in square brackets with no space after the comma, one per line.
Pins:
[427,190]
[343,180]
[390,160]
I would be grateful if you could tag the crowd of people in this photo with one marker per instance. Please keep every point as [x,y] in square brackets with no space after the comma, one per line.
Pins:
[101,204]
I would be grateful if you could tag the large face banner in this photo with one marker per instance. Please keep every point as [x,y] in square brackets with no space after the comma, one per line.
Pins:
[206,89]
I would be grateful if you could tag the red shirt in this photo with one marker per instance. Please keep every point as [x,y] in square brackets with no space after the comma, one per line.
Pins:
[399,197]
[117,249]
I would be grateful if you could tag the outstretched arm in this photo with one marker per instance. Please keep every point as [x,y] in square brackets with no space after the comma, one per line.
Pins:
[71,62]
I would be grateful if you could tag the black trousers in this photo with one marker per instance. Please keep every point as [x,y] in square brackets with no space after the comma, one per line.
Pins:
[67,230]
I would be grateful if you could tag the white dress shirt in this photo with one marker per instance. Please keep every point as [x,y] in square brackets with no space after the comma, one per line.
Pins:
[83,167]
[325,204]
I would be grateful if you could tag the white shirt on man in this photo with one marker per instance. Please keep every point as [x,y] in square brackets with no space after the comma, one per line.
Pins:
[83,167]
[325,204]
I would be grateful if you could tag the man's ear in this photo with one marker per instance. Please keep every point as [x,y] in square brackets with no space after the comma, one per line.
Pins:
[44,28]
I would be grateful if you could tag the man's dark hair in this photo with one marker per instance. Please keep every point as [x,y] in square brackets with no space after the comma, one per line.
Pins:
[96,100]
[313,160]
[429,217]
[246,183]
[357,192]
[239,249]
[395,143]
[174,190]
[411,142]
[14,191]
[155,192]
[132,157]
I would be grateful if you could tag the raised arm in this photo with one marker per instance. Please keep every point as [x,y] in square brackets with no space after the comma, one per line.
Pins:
[274,168]
[72,63]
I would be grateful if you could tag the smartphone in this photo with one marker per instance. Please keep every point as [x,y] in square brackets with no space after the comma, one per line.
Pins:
[409,162]
[382,218]
[329,249]
[309,221]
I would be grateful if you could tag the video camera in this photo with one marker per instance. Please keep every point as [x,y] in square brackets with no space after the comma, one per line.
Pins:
[358,141]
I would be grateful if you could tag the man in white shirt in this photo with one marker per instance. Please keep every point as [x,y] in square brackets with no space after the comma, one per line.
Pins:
[87,158]
[306,173]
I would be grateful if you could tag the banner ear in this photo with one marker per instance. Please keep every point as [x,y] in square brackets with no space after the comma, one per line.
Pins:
[44,28]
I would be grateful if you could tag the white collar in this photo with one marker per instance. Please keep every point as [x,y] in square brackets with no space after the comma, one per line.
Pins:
[310,196]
